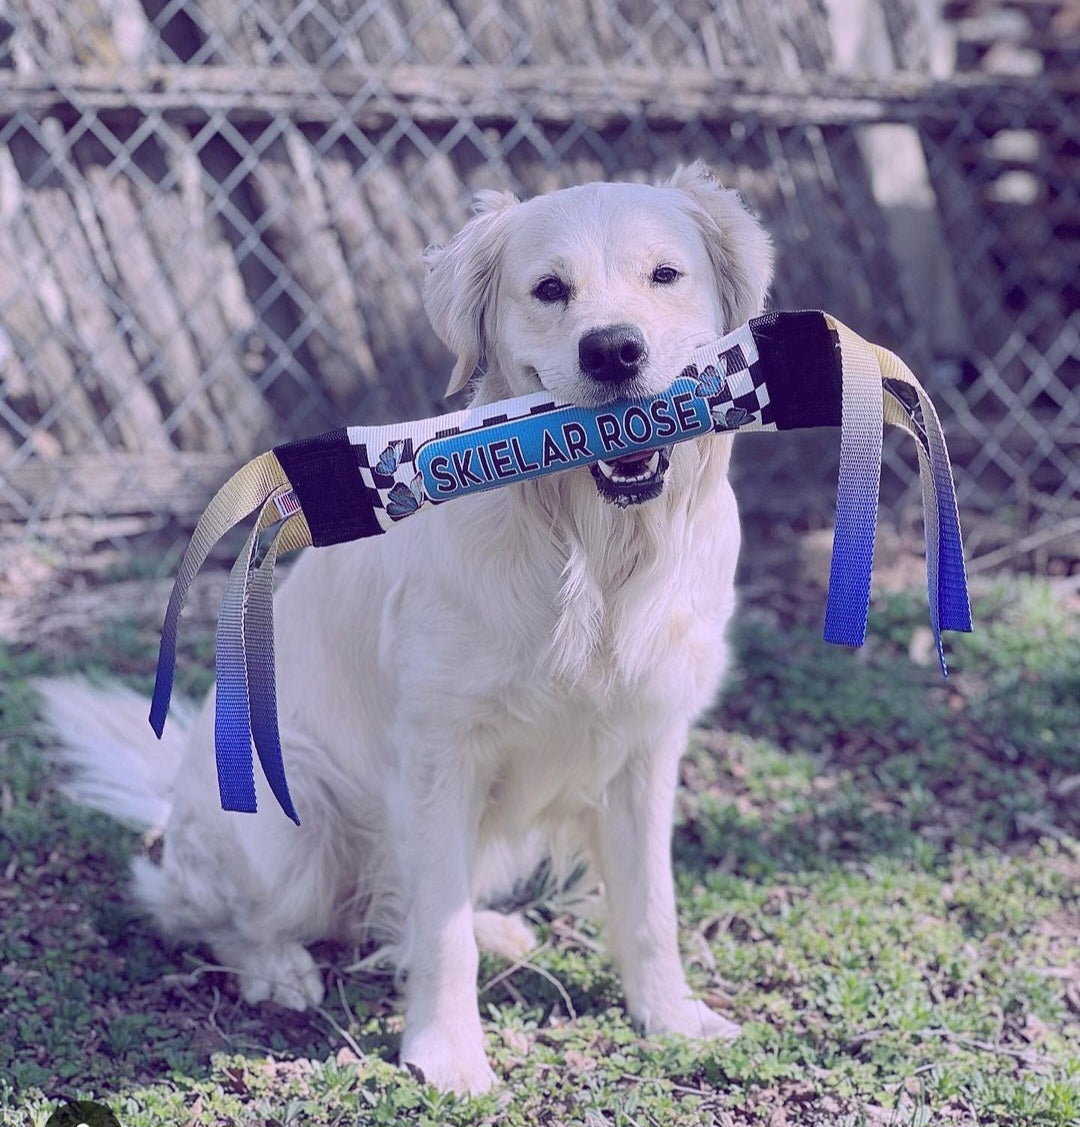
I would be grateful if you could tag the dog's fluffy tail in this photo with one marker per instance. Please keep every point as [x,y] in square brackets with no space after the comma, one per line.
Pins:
[114,762]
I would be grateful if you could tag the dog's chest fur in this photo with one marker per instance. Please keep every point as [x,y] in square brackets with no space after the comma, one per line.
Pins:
[548,633]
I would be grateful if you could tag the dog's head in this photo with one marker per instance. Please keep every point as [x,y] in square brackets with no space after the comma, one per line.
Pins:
[597,293]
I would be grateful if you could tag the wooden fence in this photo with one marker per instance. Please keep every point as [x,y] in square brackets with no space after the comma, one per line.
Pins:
[212,215]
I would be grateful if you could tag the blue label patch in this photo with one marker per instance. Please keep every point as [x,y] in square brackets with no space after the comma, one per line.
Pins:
[557,440]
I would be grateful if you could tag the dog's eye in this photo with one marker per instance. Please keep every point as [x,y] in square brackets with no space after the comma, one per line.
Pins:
[665,275]
[550,290]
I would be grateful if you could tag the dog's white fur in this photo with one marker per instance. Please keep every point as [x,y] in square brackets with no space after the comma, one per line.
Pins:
[503,677]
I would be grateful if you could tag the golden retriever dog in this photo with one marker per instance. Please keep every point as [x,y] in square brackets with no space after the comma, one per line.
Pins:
[497,682]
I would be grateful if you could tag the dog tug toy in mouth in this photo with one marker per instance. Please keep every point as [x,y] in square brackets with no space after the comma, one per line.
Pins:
[780,371]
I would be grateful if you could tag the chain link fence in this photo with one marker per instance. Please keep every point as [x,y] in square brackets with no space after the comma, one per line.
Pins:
[212,214]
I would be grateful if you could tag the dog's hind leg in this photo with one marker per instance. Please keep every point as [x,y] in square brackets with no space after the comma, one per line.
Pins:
[270,966]
[284,972]
[504,934]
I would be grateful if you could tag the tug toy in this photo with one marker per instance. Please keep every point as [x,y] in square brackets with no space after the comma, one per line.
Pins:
[780,371]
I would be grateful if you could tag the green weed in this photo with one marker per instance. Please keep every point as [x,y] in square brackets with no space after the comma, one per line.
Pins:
[877,875]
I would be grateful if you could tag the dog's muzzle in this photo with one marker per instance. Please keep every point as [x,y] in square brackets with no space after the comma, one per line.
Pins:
[632,480]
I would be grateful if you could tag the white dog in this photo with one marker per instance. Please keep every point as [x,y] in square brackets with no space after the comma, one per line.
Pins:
[509,677]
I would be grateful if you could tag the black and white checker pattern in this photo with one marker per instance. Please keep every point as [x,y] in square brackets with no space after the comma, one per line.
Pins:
[378,484]
[743,401]
[372,444]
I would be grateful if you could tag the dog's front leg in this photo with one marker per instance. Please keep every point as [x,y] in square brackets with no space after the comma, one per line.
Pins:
[632,847]
[436,828]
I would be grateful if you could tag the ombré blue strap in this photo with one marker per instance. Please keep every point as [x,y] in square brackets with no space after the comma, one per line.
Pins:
[907,405]
[246,705]
[857,490]
[232,711]
[259,657]
[245,492]
[781,371]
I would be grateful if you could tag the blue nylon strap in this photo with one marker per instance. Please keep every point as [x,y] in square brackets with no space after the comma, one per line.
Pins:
[245,709]
[232,717]
[931,530]
[862,424]
[946,576]
[867,374]
[259,650]
[240,496]
[954,608]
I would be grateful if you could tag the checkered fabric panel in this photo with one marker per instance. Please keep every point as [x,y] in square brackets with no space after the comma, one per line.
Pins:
[390,476]
[728,373]
[741,401]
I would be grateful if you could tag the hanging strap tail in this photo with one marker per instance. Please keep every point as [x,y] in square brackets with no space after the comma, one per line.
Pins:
[901,401]
[232,716]
[246,702]
[907,405]
[859,482]
[245,492]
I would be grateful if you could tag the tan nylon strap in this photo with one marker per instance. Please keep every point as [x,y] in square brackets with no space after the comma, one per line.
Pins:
[247,490]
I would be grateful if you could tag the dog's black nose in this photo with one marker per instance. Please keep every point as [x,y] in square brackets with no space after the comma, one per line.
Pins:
[612,354]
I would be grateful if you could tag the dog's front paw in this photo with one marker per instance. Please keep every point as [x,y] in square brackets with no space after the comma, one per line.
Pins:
[286,975]
[691,1018]
[450,1062]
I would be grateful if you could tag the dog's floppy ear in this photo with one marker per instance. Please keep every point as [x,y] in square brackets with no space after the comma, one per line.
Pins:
[738,245]
[459,293]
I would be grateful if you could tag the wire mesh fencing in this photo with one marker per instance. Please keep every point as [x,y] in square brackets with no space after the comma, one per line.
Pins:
[213,213]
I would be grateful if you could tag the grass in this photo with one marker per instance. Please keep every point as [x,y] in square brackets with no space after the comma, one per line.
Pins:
[877,871]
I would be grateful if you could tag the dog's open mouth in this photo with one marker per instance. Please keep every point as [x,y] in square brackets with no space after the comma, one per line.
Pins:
[634,479]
